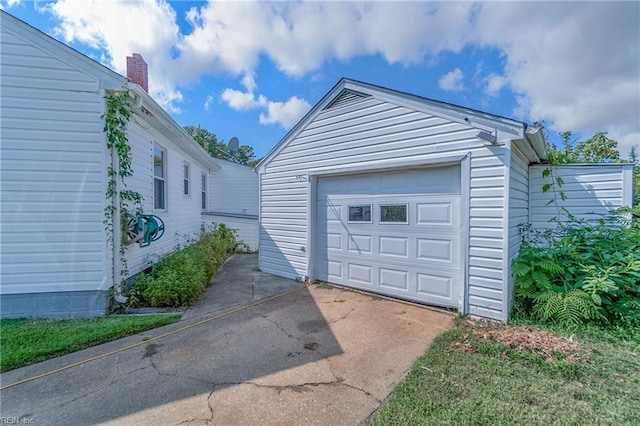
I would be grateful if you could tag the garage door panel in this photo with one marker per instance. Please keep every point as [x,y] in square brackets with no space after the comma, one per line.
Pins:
[395,262]
[330,241]
[394,279]
[435,214]
[360,273]
[435,286]
[413,255]
[334,269]
[360,244]
[393,246]
[438,250]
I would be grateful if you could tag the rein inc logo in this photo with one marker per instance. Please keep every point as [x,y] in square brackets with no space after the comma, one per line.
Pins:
[14,420]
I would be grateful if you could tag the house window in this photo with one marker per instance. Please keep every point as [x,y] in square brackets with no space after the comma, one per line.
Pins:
[159,178]
[186,173]
[360,213]
[394,213]
[203,194]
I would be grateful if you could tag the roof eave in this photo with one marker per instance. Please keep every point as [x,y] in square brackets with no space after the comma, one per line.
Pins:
[168,127]
[535,136]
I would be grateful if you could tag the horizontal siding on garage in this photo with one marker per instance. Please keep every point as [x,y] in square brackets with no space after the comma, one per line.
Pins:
[592,190]
[53,173]
[518,207]
[373,133]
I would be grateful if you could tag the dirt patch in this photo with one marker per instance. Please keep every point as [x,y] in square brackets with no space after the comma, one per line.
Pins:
[521,338]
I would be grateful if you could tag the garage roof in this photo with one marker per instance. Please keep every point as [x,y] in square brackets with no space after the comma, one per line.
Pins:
[530,139]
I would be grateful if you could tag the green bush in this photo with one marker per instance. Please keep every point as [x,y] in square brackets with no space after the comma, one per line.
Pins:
[581,272]
[179,278]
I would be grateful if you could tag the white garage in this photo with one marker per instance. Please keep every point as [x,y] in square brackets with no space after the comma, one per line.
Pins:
[412,198]
[394,233]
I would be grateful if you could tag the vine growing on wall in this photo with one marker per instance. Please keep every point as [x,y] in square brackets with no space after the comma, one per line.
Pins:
[116,118]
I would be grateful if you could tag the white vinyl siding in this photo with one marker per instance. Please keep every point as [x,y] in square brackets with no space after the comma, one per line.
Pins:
[234,189]
[56,259]
[53,172]
[246,228]
[182,216]
[373,133]
[592,190]
[518,208]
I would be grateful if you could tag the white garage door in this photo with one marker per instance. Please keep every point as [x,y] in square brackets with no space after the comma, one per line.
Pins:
[393,233]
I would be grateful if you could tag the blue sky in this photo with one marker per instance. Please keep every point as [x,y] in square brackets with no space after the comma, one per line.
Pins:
[252,69]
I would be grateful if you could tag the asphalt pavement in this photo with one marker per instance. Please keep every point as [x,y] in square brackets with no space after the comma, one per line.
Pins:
[256,349]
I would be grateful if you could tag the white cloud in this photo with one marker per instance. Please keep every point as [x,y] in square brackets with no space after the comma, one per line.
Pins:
[285,113]
[207,102]
[494,84]
[249,83]
[8,3]
[575,65]
[242,101]
[121,28]
[452,81]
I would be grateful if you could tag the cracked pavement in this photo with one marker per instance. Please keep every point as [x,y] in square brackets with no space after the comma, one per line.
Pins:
[318,355]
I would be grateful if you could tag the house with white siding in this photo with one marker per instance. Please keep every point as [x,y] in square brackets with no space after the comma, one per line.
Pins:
[55,257]
[412,198]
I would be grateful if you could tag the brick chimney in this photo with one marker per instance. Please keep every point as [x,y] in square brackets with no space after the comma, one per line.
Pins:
[137,71]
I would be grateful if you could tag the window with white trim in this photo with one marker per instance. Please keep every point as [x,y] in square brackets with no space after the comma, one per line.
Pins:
[361,213]
[393,213]
[203,189]
[186,173]
[159,178]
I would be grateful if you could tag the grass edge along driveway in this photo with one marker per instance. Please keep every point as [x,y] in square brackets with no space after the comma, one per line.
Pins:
[27,341]
[487,373]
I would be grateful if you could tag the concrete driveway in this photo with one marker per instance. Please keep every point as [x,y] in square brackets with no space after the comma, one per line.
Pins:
[315,355]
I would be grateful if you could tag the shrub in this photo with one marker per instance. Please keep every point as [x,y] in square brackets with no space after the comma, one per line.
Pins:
[179,278]
[581,272]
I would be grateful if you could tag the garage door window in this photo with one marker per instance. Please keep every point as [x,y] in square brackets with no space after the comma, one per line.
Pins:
[393,213]
[360,213]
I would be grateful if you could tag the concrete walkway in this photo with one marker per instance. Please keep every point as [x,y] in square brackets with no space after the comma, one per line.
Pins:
[315,355]
[238,282]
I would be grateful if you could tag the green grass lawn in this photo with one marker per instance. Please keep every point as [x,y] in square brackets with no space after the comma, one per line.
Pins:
[468,378]
[26,341]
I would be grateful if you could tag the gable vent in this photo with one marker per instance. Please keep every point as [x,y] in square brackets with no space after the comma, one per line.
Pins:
[346,97]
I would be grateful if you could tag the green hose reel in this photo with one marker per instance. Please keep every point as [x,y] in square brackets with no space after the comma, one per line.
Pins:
[143,229]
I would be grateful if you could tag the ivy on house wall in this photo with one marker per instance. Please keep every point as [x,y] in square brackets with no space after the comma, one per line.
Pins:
[116,118]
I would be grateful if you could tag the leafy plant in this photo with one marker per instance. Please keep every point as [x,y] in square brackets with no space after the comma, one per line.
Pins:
[570,308]
[179,278]
[581,272]
[116,118]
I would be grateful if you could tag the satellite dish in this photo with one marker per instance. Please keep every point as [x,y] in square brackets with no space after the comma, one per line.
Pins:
[232,146]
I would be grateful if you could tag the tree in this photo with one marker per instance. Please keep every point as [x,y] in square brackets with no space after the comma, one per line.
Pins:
[599,148]
[244,155]
[218,149]
[209,141]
